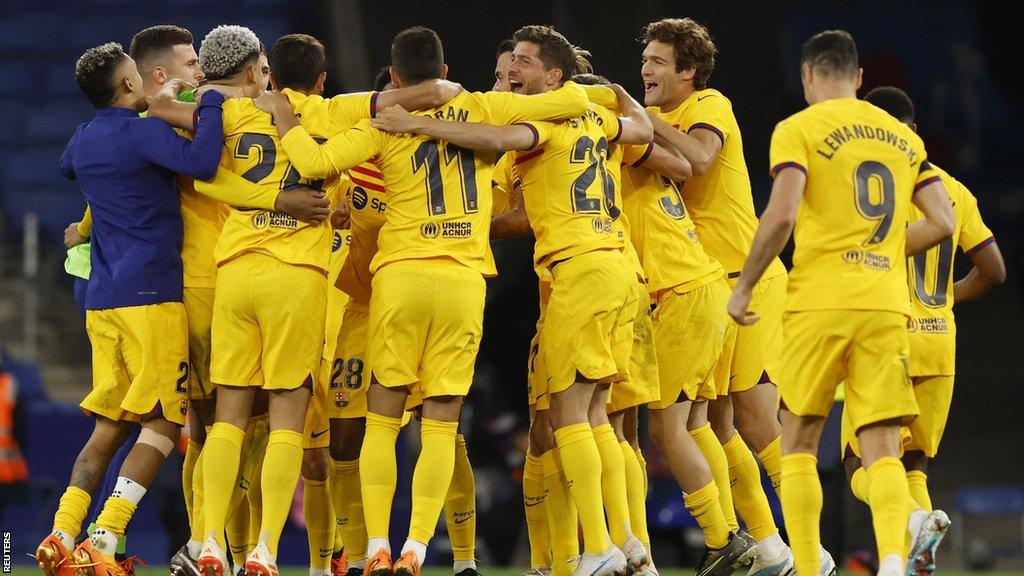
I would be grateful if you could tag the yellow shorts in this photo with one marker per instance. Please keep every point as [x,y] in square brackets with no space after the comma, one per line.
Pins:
[199,310]
[865,348]
[689,328]
[426,321]
[537,373]
[349,375]
[934,396]
[268,323]
[588,329]
[139,362]
[642,385]
[750,354]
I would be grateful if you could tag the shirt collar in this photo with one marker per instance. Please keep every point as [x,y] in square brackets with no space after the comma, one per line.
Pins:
[116,111]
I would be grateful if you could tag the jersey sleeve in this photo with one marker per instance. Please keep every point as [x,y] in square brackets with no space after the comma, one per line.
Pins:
[85,224]
[541,132]
[609,122]
[974,234]
[602,96]
[346,110]
[341,152]
[232,189]
[788,149]
[712,112]
[926,174]
[634,155]
[569,101]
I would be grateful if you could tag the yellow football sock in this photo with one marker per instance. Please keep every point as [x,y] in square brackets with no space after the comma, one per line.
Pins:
[748,495]
[379,480]
[636,495]
[801,506]
[221,455]
[280,474]
[319,514]
[887,496]
[859,485]
[536,517]
[715,455]
[581,462]
[432,477]
[188,466]
[71,512]
[706,508]
[460,505]
[197,518]
[348,506]
[561,515]
[770,458]
[238,532]
[613,484]
[643,468]
[116,514]
[254,496]
[918,483]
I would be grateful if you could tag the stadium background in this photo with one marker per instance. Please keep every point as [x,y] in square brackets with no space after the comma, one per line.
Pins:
[959,61]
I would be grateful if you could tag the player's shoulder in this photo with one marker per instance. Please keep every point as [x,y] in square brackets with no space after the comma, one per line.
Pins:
[711,96]
[239,114]
[962,197]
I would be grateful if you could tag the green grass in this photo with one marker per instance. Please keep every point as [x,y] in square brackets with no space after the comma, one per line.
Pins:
[155,571]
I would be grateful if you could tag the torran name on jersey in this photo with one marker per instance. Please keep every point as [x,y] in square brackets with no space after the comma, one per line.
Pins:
[835,140]
[451,113]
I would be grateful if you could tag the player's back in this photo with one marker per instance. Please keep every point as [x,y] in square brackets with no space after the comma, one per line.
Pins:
[252,150]
[930,276]
[862,168]
[567,193]
[367,205]
[439,201]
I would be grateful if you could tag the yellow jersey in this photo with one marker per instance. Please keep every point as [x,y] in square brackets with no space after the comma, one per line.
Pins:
[662,231]
[368,206]
[932,327]
[252,151]
[435,208]
[719,200]
[618,156]
[567,192]
[504,184]
[862,168]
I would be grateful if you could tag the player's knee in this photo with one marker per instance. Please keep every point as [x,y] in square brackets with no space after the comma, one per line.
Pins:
[915,460]
[347,438]
[314,464]
[851,462]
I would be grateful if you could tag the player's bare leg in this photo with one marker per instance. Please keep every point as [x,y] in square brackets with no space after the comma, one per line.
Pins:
[54,552]
[581,462]
[690,468]
[431,478]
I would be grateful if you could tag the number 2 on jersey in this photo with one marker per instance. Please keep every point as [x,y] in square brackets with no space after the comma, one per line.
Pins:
[428,157]
[585,150]
[266,160]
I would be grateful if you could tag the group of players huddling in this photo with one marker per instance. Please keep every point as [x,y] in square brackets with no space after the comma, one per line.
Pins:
[319,264]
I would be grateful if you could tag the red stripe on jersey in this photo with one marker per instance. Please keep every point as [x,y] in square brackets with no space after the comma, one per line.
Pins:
[984,244]
[367,172]
[927,182]
[364,183]
[530,156]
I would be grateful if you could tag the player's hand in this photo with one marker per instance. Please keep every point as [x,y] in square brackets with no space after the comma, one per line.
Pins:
[72,237]
[341,216]
[739,304]
[170,90]
[304,204]
[446,90]
[227,91]
[395,119]
[271,100]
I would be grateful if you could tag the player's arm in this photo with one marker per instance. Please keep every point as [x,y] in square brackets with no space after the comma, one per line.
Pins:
[471,135]
[302,203]
[700,146]
[78,232]
[773,232]
[569,101]
[514,223]
[198,157]
[989,270]
[636,126]
[665,163]
[168,106]
[312,159]
[428,94]
[939,221]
